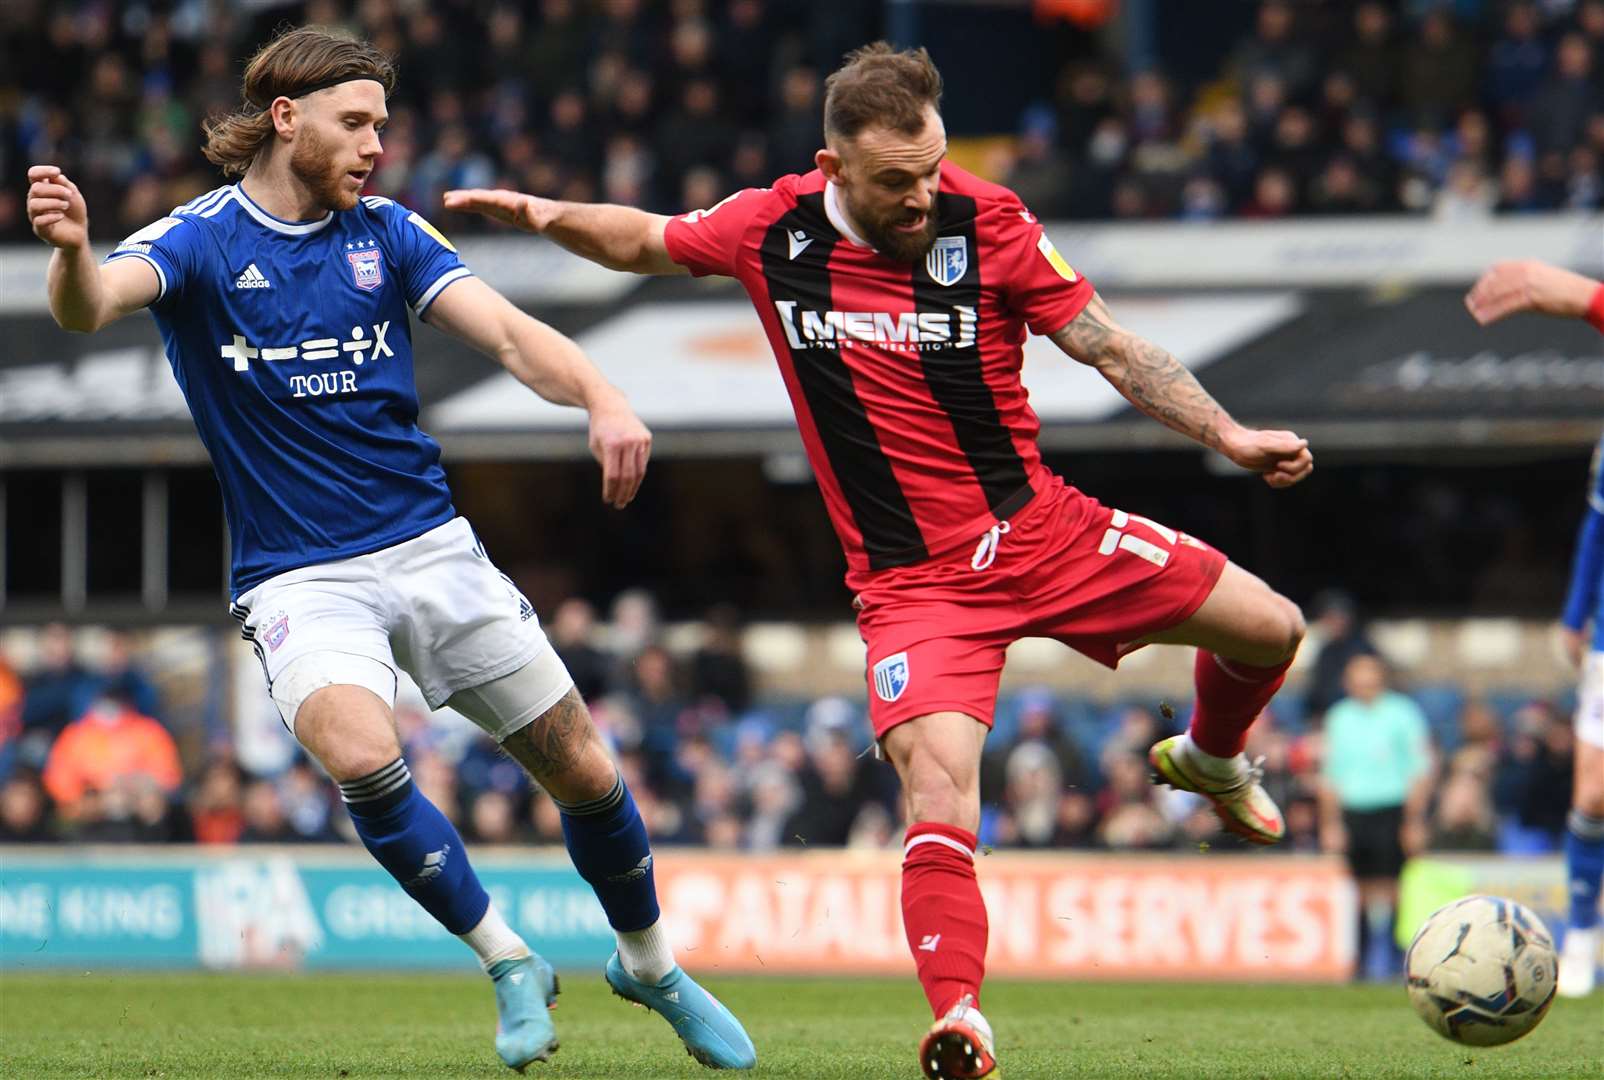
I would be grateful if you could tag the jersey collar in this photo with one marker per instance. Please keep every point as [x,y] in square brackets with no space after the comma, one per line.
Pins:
[838,216]
[279,225]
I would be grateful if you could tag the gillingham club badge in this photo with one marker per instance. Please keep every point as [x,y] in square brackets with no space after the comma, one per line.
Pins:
[367,264]
[948,259]
[891,676]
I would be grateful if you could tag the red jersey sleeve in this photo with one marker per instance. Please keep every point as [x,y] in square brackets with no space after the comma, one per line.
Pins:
[709,241]
[1042,288]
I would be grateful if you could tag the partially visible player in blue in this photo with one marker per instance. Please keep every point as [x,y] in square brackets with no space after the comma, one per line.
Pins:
[284,301]
[1529,285]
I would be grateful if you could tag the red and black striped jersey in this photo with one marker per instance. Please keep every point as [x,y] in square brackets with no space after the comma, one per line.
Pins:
[904,377]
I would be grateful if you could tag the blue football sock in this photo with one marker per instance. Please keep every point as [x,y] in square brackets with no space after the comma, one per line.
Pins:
[1584,864]
[607,842]
[412,839]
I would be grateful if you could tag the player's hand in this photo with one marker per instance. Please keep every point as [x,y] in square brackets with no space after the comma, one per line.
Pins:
[622,444]
[528,212]
[1281,457]
[56,208]
[1529,285]
[1573,643]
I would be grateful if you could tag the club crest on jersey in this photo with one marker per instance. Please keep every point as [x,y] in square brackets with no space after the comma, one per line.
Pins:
[948,260]
[367,265]
[891,676]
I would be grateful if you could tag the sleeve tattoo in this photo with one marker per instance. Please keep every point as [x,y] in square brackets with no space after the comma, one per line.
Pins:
[552,743]
[1147,375]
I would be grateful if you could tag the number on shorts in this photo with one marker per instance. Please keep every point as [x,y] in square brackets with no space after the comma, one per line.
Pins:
[1114,539]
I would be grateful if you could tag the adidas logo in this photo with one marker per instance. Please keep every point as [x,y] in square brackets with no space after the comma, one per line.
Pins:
[516,978]
[673,995]
[252,278]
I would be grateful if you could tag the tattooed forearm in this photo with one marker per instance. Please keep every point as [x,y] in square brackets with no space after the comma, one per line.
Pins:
[553,743]
[1148,376]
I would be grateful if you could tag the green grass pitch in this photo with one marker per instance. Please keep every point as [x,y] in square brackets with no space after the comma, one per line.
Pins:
[345,1027]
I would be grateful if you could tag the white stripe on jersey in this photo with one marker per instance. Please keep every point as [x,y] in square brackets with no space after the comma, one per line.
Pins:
[439,283]
[201,202]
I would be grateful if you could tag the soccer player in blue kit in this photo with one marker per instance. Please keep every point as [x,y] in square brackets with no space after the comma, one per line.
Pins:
[283,302]
[1530,285]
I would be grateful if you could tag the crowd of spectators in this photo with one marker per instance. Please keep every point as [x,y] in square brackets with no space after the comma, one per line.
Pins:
[1457,110]
[89,754]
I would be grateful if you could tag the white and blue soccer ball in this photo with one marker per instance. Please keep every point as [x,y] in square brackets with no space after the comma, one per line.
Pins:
[1481,971]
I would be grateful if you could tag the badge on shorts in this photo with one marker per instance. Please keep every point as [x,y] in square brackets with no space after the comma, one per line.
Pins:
[891,676]
[275,634]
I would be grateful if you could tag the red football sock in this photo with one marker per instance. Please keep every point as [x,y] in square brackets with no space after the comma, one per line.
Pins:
[1230,696]
[943,914]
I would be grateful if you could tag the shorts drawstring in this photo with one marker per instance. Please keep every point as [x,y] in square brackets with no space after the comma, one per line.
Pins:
[986,550]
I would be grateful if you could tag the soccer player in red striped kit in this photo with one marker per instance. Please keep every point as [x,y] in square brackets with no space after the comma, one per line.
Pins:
[896,290]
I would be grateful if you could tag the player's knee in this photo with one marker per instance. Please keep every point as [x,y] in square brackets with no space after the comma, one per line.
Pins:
[1293,627]
[937,794]
[1588,795]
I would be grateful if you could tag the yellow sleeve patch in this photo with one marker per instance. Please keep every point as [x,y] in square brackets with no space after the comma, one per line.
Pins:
[418,220]
[1050,253]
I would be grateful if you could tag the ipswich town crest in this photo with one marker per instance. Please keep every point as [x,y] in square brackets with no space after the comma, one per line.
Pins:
[948,259]
[367,265]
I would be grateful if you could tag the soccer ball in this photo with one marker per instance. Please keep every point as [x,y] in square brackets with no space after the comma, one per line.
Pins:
[1481,970]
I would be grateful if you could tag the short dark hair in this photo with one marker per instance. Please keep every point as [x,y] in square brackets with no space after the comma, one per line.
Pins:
[879,86]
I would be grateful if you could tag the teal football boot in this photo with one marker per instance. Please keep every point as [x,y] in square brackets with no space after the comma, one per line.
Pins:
[526,992]
[710,1032]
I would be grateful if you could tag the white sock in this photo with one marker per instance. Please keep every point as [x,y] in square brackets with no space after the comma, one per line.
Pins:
[1214,768]
[646,954]
[493,940]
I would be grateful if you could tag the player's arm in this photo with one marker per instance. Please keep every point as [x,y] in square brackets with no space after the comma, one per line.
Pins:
[84,295]
[1160,386]
[1530,285]
[617,237]
[551,365]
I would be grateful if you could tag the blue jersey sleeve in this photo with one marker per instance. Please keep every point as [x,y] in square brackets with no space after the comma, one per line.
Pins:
[173,246]
[1587,569]
[428,261]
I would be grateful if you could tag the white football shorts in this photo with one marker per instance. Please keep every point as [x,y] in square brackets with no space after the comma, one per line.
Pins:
[1590,700]
[434,606]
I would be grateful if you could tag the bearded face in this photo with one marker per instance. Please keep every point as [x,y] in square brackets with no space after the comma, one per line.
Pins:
[899,233]
[317,165]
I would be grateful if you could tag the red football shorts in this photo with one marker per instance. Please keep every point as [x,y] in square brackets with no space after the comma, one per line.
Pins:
[1065,567]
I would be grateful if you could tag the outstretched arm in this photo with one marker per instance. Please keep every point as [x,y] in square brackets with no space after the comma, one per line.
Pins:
[1159,385]
[84,296]
[552,366]
[617,237]
[1530,285]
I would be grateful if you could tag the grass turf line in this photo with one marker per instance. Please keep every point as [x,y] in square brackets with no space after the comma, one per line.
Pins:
[353,1027]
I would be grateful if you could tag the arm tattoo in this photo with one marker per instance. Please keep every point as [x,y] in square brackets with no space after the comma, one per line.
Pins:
[1148,376]
[552,743]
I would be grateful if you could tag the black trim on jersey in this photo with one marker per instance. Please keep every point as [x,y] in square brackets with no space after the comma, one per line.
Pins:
[955,375]
[891,536]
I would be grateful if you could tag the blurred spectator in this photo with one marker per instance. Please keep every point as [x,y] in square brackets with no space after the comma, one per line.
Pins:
[1534,779]
[265,822]
[215,807]
[1376,778]
[836,783]
[24,810]
[121,676]
[1338,634]
[307,799]
[573,631]
[1571,94]
[492,818]
[53,694]
[1038,723]
[1439,70]
[111,741]
[718,668]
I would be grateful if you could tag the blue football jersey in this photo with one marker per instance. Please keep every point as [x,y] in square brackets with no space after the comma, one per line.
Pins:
[291,343]
[1585,599]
